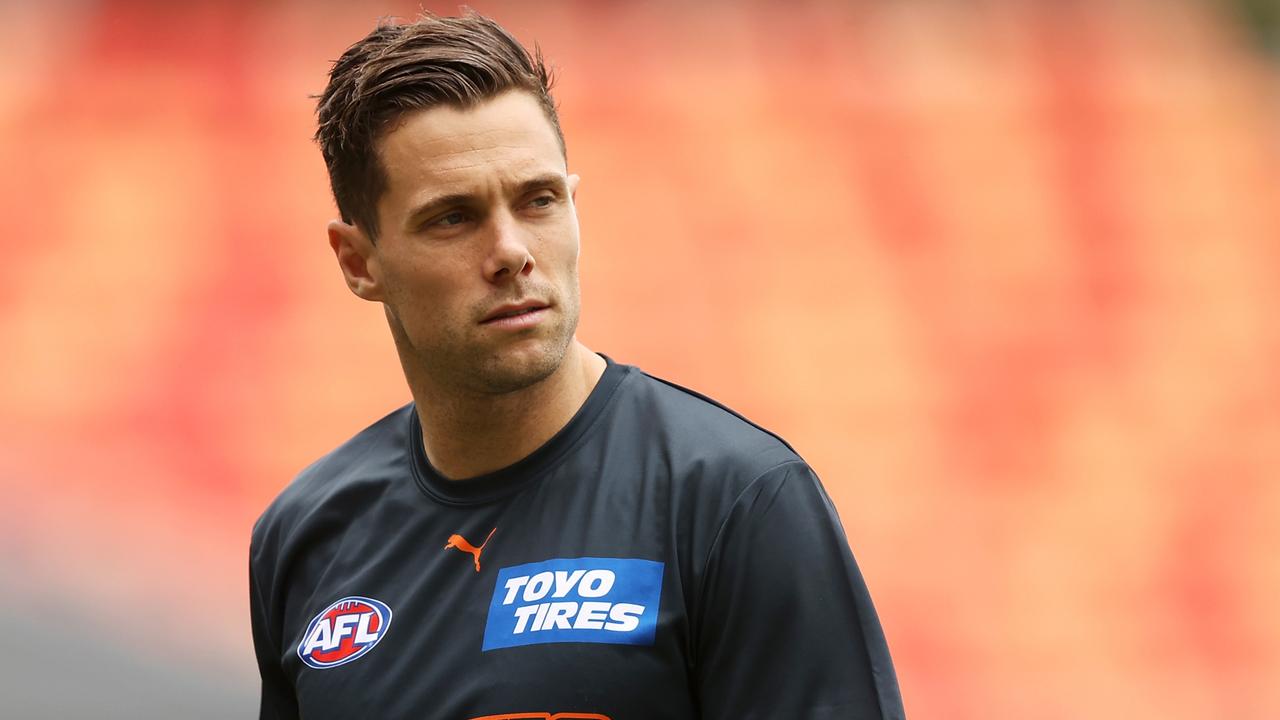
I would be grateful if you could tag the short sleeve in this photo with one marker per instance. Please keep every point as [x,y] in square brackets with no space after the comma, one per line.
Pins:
[278,701]
[785,625]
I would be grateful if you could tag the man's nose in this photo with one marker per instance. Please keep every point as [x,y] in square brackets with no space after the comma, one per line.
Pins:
[509,254]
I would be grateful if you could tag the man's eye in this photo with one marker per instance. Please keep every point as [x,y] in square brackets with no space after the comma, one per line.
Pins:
[542,201]
[453,218]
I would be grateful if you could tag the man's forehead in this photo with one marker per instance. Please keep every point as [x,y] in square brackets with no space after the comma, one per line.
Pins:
[513,119]
[508,135]
[412,190]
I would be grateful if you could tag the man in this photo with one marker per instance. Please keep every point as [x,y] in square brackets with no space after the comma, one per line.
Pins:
[542,532]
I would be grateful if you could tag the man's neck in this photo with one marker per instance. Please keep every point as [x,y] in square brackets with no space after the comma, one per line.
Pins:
[468,437]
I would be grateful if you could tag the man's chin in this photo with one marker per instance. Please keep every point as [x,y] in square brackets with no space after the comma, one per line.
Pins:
[518,368]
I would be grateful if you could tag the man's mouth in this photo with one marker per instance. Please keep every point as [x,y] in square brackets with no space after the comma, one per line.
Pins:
[510,311]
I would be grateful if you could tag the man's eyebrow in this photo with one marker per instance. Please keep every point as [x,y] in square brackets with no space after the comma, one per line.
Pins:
[435,204]
[549,180]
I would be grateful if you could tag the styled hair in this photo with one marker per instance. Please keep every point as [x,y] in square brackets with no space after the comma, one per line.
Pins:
[404,67]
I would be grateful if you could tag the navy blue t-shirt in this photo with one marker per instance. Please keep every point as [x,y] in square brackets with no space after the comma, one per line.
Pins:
[660,558]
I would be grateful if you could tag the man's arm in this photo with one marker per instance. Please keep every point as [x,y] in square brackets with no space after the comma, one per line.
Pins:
[786,625]
[278,701]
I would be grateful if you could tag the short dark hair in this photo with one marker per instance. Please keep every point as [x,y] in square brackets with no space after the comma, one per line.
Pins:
[402,67]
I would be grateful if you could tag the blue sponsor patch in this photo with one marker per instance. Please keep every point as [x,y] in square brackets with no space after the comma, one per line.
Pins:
[596,600]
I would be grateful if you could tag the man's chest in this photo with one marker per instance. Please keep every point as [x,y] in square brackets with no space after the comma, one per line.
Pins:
[518,610]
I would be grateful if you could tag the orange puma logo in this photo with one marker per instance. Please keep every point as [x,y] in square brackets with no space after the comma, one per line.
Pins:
[459,542]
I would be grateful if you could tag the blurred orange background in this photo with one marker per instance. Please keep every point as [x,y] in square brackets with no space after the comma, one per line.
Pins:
[999,270]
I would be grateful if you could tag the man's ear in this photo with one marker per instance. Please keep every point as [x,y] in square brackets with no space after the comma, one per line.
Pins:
[357,257]
[573,186]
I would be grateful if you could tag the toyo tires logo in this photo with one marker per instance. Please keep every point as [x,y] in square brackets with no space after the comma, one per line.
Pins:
[590,599]
[344,631]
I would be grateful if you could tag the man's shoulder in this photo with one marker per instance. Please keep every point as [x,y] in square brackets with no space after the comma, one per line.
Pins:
[698,430]
[360,460]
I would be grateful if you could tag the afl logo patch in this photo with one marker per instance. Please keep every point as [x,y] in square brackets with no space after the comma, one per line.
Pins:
[344,631]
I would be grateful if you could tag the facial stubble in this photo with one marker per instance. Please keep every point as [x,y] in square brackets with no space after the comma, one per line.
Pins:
[465,364]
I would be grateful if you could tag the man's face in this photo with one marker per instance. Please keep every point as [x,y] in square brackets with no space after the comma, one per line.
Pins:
[477,257]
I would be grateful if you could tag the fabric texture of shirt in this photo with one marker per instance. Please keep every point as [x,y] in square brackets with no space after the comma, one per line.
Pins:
[660,558]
